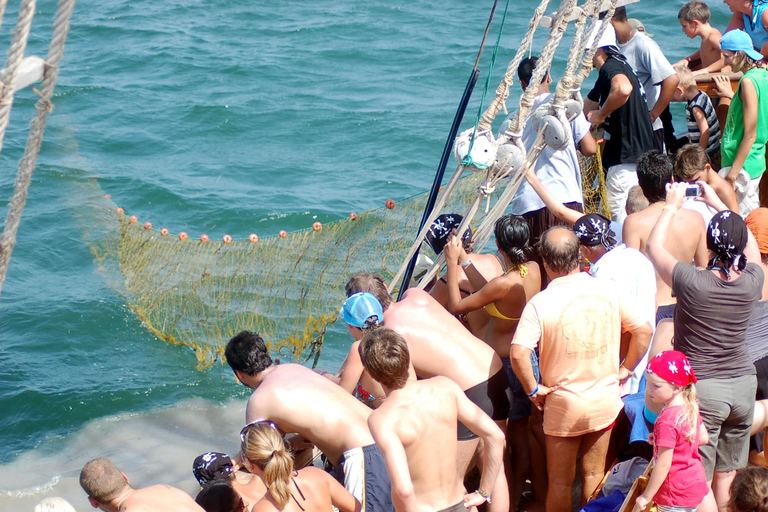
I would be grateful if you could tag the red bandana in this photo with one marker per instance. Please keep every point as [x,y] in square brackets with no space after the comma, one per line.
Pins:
[672,366]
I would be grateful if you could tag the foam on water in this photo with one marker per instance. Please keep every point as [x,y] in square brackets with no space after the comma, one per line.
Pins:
[150,448]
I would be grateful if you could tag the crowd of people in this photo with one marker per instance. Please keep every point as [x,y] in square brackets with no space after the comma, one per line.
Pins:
[580,342]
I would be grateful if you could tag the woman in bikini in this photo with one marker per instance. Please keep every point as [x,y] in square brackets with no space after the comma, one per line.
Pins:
[504,298]
[308,489]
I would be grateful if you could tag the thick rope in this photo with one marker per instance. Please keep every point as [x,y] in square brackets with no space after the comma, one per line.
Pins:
[35,137]
[3,3]
[502,92]
[15,54]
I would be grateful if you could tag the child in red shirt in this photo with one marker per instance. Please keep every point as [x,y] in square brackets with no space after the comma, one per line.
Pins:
[678,479]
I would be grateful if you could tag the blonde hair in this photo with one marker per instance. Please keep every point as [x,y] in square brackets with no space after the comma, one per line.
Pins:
[264,447]
[636,200]
[742,62]
[54,505]
[685,75]
[688,420]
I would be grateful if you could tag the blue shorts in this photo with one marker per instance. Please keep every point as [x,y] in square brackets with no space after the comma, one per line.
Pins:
[522,407]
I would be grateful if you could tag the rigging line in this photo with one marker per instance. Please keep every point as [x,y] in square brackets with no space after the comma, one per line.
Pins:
[447,151]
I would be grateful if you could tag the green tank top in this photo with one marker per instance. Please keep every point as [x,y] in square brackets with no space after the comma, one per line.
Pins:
[734,126]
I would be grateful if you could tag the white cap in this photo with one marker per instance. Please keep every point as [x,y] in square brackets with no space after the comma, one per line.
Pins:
[607,39]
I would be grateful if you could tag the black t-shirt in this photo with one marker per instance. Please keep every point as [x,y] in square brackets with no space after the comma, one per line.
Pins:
[629,126]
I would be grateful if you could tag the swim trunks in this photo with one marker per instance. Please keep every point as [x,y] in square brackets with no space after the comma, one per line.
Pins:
[363,473]
[522,407]
[493,396]
[665,311]
[459,507]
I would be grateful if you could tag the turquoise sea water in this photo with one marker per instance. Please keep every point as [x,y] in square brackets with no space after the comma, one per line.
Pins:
[211,117]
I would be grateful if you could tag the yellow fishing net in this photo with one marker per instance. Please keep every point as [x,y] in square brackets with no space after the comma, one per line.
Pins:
[593,185]
[200,294]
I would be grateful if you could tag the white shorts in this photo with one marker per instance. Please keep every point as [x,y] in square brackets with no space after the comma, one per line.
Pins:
[747,190]
[618,181]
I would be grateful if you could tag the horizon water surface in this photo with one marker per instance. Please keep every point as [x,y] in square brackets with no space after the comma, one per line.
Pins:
[226,117]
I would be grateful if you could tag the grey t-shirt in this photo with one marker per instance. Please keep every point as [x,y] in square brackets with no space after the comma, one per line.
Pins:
[711,319]
[757,334]
[650,65]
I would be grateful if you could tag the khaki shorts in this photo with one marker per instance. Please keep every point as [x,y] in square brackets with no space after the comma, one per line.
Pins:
[726,407]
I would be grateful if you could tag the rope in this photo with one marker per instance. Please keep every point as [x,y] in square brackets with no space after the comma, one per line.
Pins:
[15,54]
[36,130]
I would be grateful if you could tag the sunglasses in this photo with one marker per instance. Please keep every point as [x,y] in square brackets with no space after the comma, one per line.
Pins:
[244,431]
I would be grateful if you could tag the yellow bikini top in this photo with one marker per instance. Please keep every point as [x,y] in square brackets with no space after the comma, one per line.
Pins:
[492,309]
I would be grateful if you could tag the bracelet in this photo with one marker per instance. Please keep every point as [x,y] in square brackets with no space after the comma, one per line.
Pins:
[484,494]
[530,395]
[688,59]
[465,265]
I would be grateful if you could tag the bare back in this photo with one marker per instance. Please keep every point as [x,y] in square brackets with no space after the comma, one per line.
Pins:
[710,48]
[438,343]
[159,498]
[302,401]
[315,491]
[489,267]
[422,419]
[687,240]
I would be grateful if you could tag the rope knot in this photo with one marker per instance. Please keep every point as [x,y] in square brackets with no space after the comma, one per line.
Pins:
[45,102]
[486,189]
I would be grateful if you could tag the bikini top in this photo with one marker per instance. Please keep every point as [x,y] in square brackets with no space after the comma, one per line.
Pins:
[300,494]
[364,396]
[493,310]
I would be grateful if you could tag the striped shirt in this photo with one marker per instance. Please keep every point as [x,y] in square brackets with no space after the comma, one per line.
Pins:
[703,102]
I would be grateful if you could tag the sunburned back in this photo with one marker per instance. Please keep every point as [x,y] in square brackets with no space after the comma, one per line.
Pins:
[519,291]
[159,498]
[249,487]
[309,493]
[301,401]
[438,343]
[686,240]
[423,417]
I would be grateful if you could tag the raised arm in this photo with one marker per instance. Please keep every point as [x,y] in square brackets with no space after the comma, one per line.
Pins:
[557,208]
[662,259]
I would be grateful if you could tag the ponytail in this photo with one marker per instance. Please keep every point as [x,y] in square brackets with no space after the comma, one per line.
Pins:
[263,447]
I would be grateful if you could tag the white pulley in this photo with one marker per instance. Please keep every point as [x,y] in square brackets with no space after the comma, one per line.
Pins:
[509,159]
[483,150]
[555,134]
[537,115]
[573,108]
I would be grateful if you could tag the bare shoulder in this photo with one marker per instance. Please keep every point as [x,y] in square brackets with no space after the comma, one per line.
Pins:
[690,220]
[714,39]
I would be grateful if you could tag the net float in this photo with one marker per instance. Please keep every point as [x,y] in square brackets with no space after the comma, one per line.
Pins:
[317,226]
[390,204]
[253,237]
[183,236]
[226,239]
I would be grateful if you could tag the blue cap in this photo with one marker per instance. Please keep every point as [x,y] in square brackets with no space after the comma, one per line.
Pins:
[739,41]
[360,307]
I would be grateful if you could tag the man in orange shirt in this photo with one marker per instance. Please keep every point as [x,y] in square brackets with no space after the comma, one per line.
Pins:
[576,323]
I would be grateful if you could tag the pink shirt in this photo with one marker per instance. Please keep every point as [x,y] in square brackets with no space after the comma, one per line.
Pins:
[686,483]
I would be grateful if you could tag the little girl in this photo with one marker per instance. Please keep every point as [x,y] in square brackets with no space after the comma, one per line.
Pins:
[678,481]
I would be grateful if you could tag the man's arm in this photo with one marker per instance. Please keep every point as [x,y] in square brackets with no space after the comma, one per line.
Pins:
[724,191]
[403,496]
[493,443]
[353,369]
[629,235]
[587,145]
[662,259]
[748,96]
[589,106]
[621,89]
[639,340]
[668,86]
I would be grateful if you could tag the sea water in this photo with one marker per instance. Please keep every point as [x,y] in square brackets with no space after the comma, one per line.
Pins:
[212,117]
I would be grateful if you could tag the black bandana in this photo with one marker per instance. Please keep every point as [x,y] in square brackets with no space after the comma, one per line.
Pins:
[441,228]
[212,466]
[594,229]
[727,238]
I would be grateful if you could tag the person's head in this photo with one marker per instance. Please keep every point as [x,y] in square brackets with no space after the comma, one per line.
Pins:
[265,451]
[749,490]
[654,171]
[595,235]
[737,49]
[636,200]
[362,312]
[691,163]
[385,357]
[741,6]
[102,481]
[559,248]
[54,505]
[757,223]
[605,46]
[726,240]
[212,466]
[692,16]
[220,496]
[620,15]
[525,72]
[669,375]
[369,283]
[686,87]
[247,353]
[513,238]
[442,228]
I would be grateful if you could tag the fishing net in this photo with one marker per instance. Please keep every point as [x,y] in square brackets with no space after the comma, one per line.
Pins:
[593,185]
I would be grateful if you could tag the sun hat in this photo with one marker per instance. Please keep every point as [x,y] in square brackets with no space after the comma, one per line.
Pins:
[441,229]
[739,41]
[672,366]
[358,308]
[638,25]
[212,466]
[607,39]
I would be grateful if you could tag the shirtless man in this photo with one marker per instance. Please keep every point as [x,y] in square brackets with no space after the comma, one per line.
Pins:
[440,345]
[298,400]
[687,239]
[108,489]
[416,430]
[488,265]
